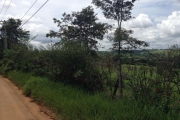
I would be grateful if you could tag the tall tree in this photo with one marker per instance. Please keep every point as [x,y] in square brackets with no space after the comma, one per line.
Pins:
[14,34]
[119,10]
[81,27]
[127,42]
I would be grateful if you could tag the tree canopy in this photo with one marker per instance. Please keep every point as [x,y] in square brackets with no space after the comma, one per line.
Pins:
[81,27]
[119,10]
[13,32]
[127,41]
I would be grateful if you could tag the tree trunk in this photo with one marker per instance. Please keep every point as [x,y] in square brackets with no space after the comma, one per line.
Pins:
[120,81]
[119,58]
[115,88]
[120,72]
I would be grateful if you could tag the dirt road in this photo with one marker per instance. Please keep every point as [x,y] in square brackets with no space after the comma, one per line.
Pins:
[15,106]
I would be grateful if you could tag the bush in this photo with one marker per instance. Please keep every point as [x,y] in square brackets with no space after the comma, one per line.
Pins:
[31,84]
[71,65]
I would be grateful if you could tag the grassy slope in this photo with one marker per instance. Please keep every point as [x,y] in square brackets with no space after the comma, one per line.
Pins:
[73,104]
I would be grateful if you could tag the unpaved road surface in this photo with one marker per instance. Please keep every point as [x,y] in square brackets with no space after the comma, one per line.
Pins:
[15,106]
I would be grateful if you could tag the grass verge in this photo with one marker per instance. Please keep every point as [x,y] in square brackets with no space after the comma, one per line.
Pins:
[71,103]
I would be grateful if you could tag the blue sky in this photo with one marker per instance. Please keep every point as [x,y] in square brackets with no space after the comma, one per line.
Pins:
[156,21]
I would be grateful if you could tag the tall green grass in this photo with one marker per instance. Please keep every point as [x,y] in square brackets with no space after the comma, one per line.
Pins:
[72,103]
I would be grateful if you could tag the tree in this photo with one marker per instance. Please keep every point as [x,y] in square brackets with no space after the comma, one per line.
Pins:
[14,34]
[119,10]
[127,42]
[81,28]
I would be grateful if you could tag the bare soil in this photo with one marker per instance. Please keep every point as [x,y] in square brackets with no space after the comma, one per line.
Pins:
[16,106]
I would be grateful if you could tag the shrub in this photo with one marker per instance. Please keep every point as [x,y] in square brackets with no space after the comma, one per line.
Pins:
[71,65]
[74,66]
[160,85]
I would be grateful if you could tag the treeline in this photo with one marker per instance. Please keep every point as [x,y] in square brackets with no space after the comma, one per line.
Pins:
[71,65]
[140,57]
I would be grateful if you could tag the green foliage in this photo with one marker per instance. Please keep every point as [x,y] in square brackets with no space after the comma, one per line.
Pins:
[19,78]
[75,66]
[119,10]
[126,41]
[15,35]
[150,87]
[19,58]
[72,103]
[32,82]
[70,64]
[81,28]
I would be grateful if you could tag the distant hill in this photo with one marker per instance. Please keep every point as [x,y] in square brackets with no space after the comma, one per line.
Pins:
[135,52]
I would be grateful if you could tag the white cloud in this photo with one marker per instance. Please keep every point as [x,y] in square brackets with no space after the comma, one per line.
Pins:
[171,26]
[35,29]
[142,21]
[35,43]
[24,2]
[160,18]
[36,20]
[7,2]
[165,34]
[176,2]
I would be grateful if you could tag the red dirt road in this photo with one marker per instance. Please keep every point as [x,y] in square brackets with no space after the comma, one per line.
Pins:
[15,106]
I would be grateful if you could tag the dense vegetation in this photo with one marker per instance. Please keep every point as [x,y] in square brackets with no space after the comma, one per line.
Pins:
[142,100]
[77,82]
[69,102]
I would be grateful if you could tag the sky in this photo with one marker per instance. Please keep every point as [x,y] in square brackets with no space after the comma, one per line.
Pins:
[156,22]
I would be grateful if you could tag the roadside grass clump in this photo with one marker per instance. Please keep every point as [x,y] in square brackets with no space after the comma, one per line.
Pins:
[35,83]
[73,103]
[19,78]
